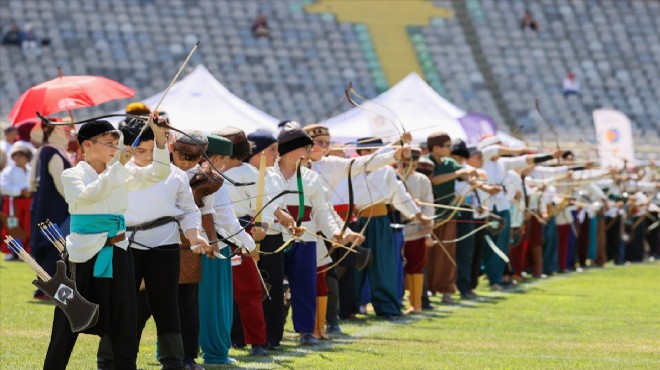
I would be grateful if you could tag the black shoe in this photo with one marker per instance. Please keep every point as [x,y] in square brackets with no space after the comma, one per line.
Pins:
[238,345]
[333,329]
[273,347]
[259,351]
[307,339]
[427,306]
[193,366]
[389,317]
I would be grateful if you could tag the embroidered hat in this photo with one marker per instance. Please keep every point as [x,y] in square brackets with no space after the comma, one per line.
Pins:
[316,130]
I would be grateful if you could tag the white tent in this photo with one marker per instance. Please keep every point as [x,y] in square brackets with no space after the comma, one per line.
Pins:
[200,102]
[420,109]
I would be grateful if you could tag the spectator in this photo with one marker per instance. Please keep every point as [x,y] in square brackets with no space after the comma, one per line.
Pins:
[529,21]
[30,44]
[260,27]
[571,85]
[11,136]
[14,36]
[16,197]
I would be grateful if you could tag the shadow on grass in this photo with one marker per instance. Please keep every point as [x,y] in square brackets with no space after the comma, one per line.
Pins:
[283,357]
[290,350]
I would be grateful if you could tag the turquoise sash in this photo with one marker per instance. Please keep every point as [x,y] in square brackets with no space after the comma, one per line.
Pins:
[96,224]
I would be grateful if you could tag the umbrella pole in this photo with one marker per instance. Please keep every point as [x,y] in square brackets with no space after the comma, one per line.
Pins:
[59,74]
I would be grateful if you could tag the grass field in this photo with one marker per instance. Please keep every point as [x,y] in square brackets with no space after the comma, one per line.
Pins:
[603,318]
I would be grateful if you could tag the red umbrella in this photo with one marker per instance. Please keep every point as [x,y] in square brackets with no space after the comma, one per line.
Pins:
[66,93]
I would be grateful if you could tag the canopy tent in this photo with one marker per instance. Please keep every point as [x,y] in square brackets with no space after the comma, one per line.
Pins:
[200,102]
[418,107]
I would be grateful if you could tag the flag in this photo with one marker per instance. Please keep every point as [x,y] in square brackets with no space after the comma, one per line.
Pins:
[613,137]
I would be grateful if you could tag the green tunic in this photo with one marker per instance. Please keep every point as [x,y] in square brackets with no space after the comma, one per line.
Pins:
[448,165]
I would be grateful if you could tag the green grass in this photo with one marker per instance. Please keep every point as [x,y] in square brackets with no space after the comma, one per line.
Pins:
[603,318]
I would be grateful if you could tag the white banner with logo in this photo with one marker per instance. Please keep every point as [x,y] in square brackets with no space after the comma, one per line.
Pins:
[614,137]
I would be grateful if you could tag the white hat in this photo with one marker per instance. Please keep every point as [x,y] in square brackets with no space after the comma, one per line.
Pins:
[491,140]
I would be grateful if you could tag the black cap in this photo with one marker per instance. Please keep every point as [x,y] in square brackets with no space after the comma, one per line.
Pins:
[95,128]
[459,148]
[366,142]
[291,139]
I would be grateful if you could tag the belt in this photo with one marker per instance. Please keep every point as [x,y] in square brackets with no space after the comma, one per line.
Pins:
[152,224]
[293,211]
[376,210]
[116,239]
[343,211]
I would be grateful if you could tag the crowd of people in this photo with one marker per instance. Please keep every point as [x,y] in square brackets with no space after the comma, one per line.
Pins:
[219,236]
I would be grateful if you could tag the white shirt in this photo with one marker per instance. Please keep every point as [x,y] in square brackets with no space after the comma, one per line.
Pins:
[170,197]
[419,186]
[333,169]
[244,198]
[514,189]
[497,171]
[383,187]
[226,222]
[321,217]
[14,179]
[88,192]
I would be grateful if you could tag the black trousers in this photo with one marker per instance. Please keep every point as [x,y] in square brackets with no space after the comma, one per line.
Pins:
[464,253]
[272,269]
[189,319]
[635,246]
[116,297]
[613,238]
[345,273]
[476,257]
[334,299]
[159,268]
[653,236]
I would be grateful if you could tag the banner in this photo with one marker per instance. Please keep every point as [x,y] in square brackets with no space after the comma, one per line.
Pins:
[477,125]
[613,137]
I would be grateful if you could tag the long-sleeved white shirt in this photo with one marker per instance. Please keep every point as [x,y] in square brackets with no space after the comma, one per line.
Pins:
[333,169]
[244,198]
[420,188]
[321,217]
[88,192]
[514,192]
[13,180]
[497,171]
[225,220]
[383,187]
[170,197]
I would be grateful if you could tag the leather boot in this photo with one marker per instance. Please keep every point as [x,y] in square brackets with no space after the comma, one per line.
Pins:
[418,283]
[321,310]
[170,351]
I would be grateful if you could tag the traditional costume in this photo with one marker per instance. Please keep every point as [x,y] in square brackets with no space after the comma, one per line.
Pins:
[416,235]
[48,195]
[300,256]
[249,326]
[375,190]
[102,266]
[16,206]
